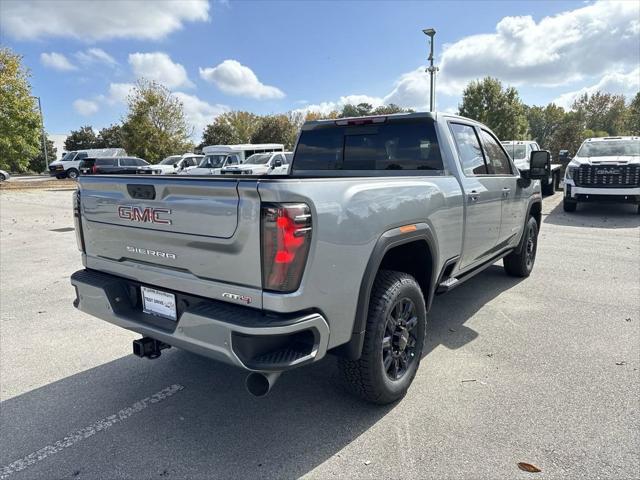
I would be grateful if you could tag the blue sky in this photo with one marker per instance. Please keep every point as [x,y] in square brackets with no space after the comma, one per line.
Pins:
[270,57]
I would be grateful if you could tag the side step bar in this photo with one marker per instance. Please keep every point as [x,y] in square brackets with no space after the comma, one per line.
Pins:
[452,282]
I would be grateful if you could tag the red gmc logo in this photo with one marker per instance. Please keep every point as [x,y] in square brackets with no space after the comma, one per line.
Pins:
[147,214]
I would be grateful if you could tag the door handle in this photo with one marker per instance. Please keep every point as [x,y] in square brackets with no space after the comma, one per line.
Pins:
[505,192]
[473,197]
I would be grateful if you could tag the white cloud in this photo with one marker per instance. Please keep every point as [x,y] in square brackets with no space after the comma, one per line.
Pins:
[119,92]
[325,108]
[233,78]
[627,84]
[57,61]
[198,112]
[559,49]
[99,19]
[95,55]
[85,107]
[411,90]
[158,66]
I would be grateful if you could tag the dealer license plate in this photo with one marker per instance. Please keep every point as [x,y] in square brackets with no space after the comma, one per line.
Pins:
[159,303]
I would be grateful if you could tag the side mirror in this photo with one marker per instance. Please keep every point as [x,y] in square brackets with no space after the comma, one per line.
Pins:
[539,165]
[277,163]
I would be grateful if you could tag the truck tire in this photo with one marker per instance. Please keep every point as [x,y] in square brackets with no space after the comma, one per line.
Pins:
[72,173]
[569,205]
[520,263]
[393,341]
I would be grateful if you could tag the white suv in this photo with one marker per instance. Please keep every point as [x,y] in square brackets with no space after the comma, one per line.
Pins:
[173,164]
[276,163]
[605,168]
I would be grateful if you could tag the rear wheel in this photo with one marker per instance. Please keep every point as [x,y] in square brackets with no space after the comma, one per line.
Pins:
[72,173]
[520,263]
[569,205]
[2,177]
[393,341]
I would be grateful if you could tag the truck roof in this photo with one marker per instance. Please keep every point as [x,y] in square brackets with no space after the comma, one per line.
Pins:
[240,147]
[608,139]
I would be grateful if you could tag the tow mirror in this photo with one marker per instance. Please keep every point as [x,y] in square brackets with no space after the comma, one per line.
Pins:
[277,163]
[539,165]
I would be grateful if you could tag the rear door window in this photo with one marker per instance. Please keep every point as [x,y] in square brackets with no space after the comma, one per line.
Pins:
[497,159]
[469,149]
[109,162]
[406,145]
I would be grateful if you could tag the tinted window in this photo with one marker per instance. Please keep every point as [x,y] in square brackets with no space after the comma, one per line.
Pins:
[233,160]
[496,158]
[81,155]
[287,158]
[128,162]
[400,145]
[468,149]
[141,162]
[107,162]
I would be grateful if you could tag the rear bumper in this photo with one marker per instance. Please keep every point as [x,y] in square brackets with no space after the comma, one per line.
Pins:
[247,338]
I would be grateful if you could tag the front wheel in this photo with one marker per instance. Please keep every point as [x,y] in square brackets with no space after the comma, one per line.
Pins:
[2,177]
[72,173]
[393,341]
[520,263]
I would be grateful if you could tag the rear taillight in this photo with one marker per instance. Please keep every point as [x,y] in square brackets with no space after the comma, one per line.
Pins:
[286,235]
[77,221]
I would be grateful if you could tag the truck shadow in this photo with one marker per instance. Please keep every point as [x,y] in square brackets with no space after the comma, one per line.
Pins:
[449,313]
[596,215]
[210,428]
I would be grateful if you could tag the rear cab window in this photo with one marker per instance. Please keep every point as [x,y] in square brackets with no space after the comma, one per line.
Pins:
[395,146]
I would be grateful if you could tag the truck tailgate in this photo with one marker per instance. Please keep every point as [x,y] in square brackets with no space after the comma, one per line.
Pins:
[167,230]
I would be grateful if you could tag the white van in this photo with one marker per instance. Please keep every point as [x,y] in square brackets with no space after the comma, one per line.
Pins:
[216,157]
[69,164]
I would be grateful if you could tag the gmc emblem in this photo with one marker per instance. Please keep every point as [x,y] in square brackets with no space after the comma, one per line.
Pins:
[146,215]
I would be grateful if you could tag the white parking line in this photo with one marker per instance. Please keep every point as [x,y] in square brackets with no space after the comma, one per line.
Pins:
[88,431]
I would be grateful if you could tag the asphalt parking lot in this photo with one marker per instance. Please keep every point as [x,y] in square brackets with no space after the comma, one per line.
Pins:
[542,370]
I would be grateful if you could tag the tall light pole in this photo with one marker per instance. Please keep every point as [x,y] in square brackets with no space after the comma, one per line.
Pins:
[44,140]
[430,32]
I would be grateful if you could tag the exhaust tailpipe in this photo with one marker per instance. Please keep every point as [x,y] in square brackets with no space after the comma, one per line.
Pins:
[260,383]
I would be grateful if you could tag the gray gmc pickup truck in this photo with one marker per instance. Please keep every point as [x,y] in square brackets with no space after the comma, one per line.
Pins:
[344,255]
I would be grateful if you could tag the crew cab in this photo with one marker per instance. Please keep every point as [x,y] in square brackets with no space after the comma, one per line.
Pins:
[604,169]
[173,164]
[344,255]
[262,164]
[520,151]
[111,165]
[69,165]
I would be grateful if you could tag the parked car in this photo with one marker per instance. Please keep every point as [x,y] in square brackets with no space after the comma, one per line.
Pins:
[218,157]
[111,165]
[69,165]
[173,164]
[604,169]
[520,151]
[4,175]
[346,255]
[262,164]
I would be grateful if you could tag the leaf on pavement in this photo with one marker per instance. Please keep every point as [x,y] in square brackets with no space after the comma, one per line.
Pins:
[527,467]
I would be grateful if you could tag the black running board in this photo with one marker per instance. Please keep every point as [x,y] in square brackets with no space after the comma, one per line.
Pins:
[452,282]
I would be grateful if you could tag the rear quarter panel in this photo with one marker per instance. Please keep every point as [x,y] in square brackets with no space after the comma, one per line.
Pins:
[349,216]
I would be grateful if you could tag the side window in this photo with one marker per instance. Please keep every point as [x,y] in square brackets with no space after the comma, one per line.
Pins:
[232,160]
[497,160]
[81,155]
[140,162]
[468,149]
[127,162]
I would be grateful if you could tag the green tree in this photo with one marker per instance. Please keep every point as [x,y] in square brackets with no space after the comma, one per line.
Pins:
[632,120]
[602,111]
[38,163]
[220,132]
[20,132]
[110,137]
[390,109]
[500,109]
[543,123]
[569,134]
[360,110]
[81,139]
[275,129]
[155,125]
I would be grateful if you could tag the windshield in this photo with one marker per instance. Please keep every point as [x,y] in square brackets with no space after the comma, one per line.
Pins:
[172,160]
[258,159]
[610,148]
[68,156]
[213,161]
[517,152]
